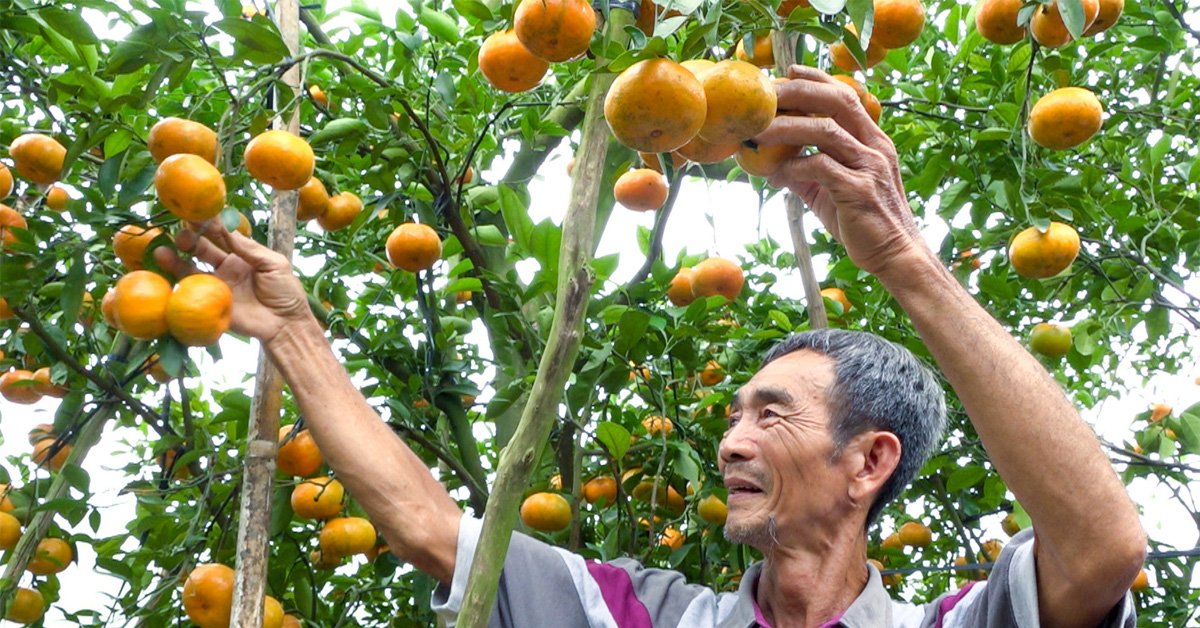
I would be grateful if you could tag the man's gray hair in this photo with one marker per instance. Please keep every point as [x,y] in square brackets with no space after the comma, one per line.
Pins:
[878,385]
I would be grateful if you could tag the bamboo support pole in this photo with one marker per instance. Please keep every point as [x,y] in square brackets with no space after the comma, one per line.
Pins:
[784,44]
[575,279]
[86,438]
[254,517]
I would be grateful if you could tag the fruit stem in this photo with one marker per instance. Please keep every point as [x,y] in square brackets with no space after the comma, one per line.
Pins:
[575,280]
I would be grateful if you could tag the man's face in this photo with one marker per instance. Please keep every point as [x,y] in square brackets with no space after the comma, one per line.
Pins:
[775,456]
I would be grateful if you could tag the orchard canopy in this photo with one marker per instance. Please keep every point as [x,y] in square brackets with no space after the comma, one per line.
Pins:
[406,128]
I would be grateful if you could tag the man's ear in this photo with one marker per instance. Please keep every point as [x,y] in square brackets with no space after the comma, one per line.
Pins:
[877,456]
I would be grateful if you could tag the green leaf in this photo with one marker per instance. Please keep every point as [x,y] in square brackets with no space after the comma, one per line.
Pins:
[254,35]
[1189,432]
[338,130]
[1158,322]
[489,235]
[1072,15]
[439,24]
[76,477]
[69,24]
[965,477]
[614,438]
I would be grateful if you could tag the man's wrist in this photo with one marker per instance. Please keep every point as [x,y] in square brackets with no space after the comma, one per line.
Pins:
[917,269]
[295,340]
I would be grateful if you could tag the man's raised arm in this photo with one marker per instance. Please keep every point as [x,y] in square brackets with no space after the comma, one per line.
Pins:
[1089,541]
[408,506]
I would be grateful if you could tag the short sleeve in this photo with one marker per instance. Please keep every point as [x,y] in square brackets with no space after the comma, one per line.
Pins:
[543,585]
[1009,596]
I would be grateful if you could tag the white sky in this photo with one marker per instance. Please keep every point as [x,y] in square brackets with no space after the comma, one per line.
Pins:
[734,213]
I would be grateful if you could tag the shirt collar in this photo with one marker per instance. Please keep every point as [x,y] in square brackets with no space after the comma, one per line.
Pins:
[872,607]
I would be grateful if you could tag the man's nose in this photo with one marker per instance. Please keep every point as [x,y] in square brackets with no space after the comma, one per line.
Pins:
[738,443]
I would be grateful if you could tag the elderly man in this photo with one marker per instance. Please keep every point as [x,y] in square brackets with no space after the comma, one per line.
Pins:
[833,426]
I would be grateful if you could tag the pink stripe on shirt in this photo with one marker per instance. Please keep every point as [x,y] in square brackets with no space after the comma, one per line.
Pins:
[617,588]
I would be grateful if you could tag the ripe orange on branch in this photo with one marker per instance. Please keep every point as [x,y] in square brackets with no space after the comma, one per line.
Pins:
[10,531]
[57,198]
[199,310]
[42,384]
[280,159]
[190,187]
[345,536]
[898,23]
[842,59]
[208,595]
[655,106]
[762,55]
[508,65]
[546,512]
[42,454]
[996,21]
[9,219]
[19,386]
[1108,14]
[1040,255]
[712,510]
[414,247]
[680,290]
[839,296]
[52,556]
[1065,118]
[140,304]
[174,136]
[868,100]
[38,157]
[6,181]
[1050,339]
[343,209]
[318,498]
[915,534]
[300,455]
[717,275]
[27,606]
[740,102]
[763,161]
[130,243]
[314,200]
[1050,30]
[555,30]
[641,189]
[601,487]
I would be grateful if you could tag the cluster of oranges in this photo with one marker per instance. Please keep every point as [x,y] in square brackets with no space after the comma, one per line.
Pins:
[710,277]
[544,31]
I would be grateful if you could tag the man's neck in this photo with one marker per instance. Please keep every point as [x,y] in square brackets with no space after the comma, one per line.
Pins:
[807,587]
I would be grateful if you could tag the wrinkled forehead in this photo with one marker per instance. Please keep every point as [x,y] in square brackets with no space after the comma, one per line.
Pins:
[800,377]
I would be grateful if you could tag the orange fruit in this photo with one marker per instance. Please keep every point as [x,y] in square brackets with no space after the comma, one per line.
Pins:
[6,504]
[740,102]
[52,556]
[672,538]
[291,621]
[18,386]
[318,498]
[763,161]
[787,6]
[10,531]
[841,58]
[546,512]
[6,181]
[44,387]
[913,534]
[655,105]
[130,243]
[9,218]
[42,457]
[299,456]
[892,542]
[680,290]
[762,56]
[198,311]
[508,65]
[168,463]
[1050,339]
[641,189]
[208,595]
[40,432]
[190,187]
[601,487]
[314,200]
[715,276]
[1141,582]
[868,100]
[1010,525]
[650,160]
[140,304]
[345,536]
[1159,411]
[656,424]
[712,373]
[57,198]
[462,296]
[992,549]
[318,95]
[1107,14]
[321,560]
[703,151]
[996,21]
[414,247]
[107,307]
[712,510]
[343,209]
[1040,255]
[898,23]
[6,311]
[27,606]
[173,136]
[838,295]
[555,30]
[38,157]
[272,616]
[280,159]
[1065,118]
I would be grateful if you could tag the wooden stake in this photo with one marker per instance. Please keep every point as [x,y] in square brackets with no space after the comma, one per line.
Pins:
[258,478]
[784,44]
[575,279]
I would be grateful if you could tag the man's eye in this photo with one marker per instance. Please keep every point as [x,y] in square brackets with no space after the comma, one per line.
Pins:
[769,413]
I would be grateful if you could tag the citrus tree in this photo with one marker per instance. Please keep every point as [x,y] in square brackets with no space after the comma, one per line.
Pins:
[1060,164]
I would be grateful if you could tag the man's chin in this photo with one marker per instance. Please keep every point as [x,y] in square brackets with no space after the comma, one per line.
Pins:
[748,530]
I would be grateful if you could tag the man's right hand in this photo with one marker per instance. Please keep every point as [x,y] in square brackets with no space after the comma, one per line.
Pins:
[267,296]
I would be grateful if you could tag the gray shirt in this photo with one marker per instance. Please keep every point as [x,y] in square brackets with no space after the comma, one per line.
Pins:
[543,585]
